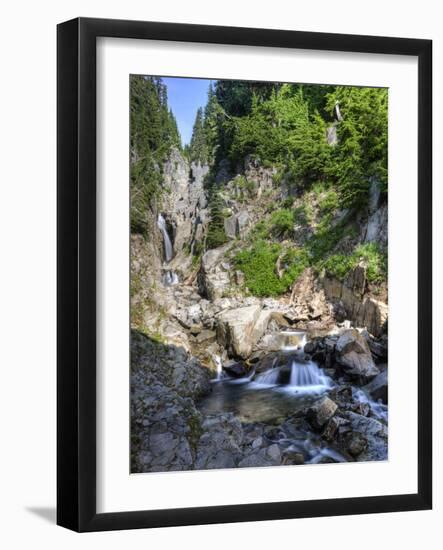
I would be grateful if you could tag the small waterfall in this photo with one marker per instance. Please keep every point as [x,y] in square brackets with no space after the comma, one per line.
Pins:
[219,368]
[170,277]
[308,377]
[296,374]
[161,223]
[293,341]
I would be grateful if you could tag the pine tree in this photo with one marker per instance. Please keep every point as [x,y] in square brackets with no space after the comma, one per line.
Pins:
[198,150]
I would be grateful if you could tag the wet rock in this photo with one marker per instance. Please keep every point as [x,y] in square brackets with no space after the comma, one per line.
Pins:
[291,456]
[236,369]
[354,355]
[321,411]
[361,407]
[375,432]
[378,387]
[311,347]
[331,428]
[356,443]
[266,456]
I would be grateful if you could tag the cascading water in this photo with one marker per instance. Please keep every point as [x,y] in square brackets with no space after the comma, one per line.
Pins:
[218,365]
[293,341]
[308,377]
[297,374]
[170,277]
[161,223]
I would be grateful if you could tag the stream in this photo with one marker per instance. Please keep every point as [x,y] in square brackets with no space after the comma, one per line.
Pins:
[275,396]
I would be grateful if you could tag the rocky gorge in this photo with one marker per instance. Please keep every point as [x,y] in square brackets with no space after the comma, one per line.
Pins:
[221,378]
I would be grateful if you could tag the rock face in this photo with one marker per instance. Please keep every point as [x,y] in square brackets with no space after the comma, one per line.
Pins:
[362,310]
[165,425]
[237,224]
[308,299]
[213,277]
[220,444]
[353,353]
[185,206]
[238,330]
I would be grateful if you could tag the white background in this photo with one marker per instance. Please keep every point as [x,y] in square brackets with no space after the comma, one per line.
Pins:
[27,218]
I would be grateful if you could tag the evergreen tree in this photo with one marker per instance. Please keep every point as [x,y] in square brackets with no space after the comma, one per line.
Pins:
[153,133]
[216,235]
[198,149]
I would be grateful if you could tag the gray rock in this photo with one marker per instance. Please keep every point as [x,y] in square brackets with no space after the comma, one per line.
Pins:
[321,411]
[230,225]
[356,443]
[353,353]
[235,330]
[220,444]
[378,387]
[376,434]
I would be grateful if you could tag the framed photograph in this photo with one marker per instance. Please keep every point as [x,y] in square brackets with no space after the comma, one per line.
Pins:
[244,274]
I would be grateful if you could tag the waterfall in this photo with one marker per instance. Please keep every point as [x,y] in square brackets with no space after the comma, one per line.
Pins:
[297,374]
[308,377]
[170,277]
[292,340]
[219,368]
[161,223]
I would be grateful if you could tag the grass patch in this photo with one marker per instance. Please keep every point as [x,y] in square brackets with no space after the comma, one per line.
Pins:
[258,264]
[375,261]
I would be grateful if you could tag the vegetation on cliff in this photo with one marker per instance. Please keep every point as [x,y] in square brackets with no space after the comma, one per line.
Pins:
[326,145]
[153,133]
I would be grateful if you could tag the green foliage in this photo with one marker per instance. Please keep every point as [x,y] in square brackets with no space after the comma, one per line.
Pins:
[282,130]
[259,265]
[369,254]
[329,202]
[198,148]
[282,223]
[153,133]
[362,150]
[216,235]
[303,214]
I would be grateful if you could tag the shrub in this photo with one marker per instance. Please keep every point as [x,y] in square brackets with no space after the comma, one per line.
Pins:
[282,222]
[375,261]
[258,264]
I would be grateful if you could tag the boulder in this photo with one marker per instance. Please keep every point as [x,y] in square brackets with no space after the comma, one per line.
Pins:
[321,411]
[243,221]
[213,279]
[231,227]
[236,369]
[356,443]
[266,456]
[235,330]
[375,433]
[354,355]
[378,387]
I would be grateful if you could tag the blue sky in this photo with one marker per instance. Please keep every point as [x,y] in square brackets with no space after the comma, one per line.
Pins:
[185,96]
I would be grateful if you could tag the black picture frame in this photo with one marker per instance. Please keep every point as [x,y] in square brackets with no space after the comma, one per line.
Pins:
[76,266]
